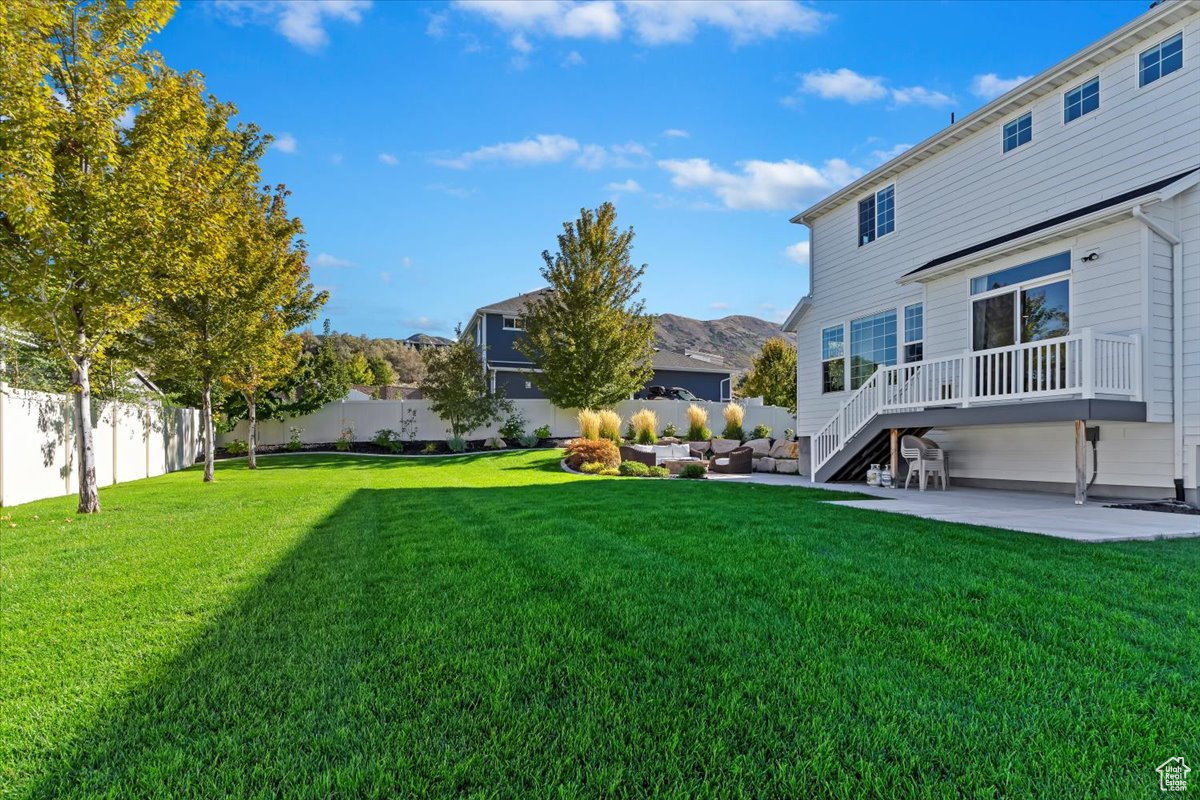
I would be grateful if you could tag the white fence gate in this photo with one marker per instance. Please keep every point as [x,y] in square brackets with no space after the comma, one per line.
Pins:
[364,417]
[37,443]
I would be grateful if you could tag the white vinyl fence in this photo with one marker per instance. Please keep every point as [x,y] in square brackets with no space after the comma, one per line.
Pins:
[37,443]
[364,417]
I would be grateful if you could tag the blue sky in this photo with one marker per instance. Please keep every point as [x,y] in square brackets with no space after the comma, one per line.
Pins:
[435,150]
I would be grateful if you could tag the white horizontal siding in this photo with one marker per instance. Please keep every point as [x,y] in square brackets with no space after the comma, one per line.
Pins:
[1131,454]
[972,192]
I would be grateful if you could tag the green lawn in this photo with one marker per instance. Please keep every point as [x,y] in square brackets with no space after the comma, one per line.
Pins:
[333,626]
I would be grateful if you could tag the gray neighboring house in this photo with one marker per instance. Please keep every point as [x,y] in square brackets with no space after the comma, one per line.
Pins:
[495,329]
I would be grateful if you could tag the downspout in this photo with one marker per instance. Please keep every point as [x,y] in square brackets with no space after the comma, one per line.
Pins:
[1176,341]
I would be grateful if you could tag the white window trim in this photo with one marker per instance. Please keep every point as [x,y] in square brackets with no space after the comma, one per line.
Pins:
[895,207]
[1034,283]
[518,323]
[1137,62]
[1080,85]
[822,360]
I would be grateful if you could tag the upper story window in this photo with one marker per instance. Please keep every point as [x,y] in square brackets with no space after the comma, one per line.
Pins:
[1018,132]
[877,215]
[914,333]
[1161,60]
[833,361]
[1083,99]
[514,324]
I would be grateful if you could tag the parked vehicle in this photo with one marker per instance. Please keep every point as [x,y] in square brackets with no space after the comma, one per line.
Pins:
[667,393]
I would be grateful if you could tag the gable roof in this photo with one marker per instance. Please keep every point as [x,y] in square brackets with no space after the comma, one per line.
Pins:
[514,305]
[670,360]
[1146,26]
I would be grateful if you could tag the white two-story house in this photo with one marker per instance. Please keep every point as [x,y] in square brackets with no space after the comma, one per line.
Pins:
[1022,278]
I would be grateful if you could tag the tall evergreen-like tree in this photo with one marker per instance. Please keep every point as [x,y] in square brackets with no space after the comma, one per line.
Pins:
[772,374]
[82,189]
[590,336]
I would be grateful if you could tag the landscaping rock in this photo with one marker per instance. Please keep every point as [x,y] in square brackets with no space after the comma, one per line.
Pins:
[669,440]
[722,446]
[764,464]
[496,443]
[761,447]
[784,449]
[701,447]
[788,466]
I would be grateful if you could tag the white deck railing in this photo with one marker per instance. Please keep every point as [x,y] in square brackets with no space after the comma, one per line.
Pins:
[1084,364]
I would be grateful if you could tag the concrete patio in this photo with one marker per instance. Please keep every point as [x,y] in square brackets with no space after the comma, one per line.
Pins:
[1030,512]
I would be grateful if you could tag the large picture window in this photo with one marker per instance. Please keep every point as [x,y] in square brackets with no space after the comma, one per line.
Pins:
[1027,303]
[872,345]
[833,359]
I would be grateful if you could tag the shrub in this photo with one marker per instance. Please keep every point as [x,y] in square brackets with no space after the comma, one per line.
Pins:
[634,469]
[630,433]
[386,437]
[610,471]
[589,424]
[734,414]
[543,432]
[343,442]
[457,444]
[644,422]
[294,442]
[610,425]
[430,448]
[692,471]
[514,426]
[237,447]
[592,451]
[670,430]
[760,432]
[788,434]
[594,468]
[529,441]
[698,424]
[658,472]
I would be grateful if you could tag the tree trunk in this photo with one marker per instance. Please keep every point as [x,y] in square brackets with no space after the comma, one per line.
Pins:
[89,494]
[252,438]
[206,413]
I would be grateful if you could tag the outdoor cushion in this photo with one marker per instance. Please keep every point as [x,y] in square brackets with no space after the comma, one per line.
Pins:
[643,448]
[722,462]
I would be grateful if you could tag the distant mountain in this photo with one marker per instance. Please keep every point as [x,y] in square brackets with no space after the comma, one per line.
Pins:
[738,338]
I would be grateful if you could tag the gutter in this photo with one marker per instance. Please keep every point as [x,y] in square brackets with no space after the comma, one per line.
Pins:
[1176,340]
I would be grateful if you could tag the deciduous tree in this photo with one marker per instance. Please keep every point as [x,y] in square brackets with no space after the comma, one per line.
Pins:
[456,389]
[82,190]
[772,374]
[590,336]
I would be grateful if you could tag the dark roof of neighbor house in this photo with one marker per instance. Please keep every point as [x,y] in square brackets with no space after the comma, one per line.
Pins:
[1092,208]
[513,305]
[670,360]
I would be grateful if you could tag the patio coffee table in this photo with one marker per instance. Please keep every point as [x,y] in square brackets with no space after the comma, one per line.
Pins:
[676,465]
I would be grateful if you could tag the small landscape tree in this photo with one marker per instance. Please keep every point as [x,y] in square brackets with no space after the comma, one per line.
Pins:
[772,374]
[457,391]
[589,336]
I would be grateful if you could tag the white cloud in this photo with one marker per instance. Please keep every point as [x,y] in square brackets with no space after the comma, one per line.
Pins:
[389,159]
[452,191]
[761,184]
[798,252]
[991,85]
[520,43]
[385,276]
[301,22]
[673,21]
[336,159]
[629,186]
[330,262]
[438,21]
[621,156]
[285,143]
[573,59]
[920,96]
[653,22]
[887,155]
[675,133]
[406,261]
[846,84]
[720,305]
[843,84]
[541,149]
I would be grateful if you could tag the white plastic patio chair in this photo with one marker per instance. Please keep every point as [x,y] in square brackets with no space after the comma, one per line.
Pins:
[924,458]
